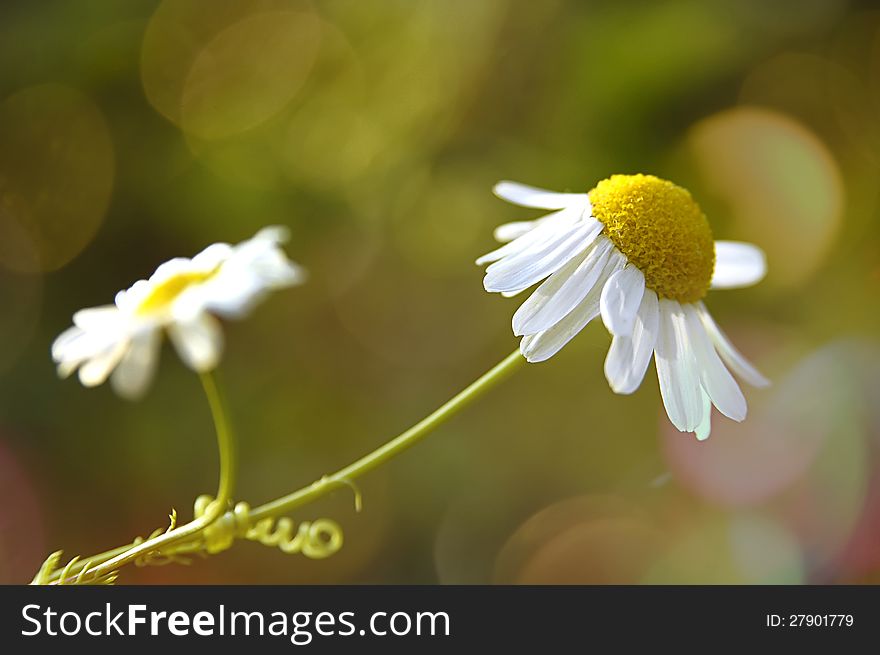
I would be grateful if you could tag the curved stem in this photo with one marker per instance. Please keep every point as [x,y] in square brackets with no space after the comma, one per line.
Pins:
[226,445]
[112,559]
[344,476]
[225,489]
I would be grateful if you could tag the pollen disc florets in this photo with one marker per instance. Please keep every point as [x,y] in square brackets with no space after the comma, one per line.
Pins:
[661,230]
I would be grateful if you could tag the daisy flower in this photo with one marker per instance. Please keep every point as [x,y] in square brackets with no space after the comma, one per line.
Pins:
[638,251]
[182,297]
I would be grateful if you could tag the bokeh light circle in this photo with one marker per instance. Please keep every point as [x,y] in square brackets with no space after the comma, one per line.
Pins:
[583,540]
[737,549]
[781,183]
[56,176]
[218,73]
[802,457]
[746,463]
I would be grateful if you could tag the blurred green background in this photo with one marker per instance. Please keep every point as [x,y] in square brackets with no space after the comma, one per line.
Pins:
[134,132]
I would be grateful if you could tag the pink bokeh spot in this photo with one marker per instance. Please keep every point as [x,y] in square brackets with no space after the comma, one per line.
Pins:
[741,464]
[22,540]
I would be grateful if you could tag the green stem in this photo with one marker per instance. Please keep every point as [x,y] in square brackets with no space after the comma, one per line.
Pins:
[113,559]
[344,476]
[225,489]
[225,440]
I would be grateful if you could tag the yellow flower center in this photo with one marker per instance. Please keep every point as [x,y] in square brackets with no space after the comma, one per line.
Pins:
[661,230]
[166,292]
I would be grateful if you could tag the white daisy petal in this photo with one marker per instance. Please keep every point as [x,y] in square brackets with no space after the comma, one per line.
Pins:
[510,231]
[137,367]
[525,269]
[562,291]
[728,352]
[62,342]
[679,381]
[266,240]
[66,368]
[715,378]
[545,228]
[629,356]
[191,303]
[129,299]
[529,196]
[76,345]
[94,371]
[95,332]
[71,348]
[170,269]
[198,342]
[123,339]
[275,270]
[620,300]
[230,296]
[213,255]
[93,317]
[737,264]
[618,362]
[705,427]
[276,234]
[543,345]
[241,282]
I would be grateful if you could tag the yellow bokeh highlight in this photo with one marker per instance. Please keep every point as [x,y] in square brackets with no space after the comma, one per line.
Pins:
[56,174]
[215,74]
[583,540]
[730,549]
[782,185]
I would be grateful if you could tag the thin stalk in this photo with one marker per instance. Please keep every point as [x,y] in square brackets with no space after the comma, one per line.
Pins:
[225,489]
[113,559]
[413,435]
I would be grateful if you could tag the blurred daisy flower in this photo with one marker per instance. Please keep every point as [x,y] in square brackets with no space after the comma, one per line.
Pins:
[122,340]
[639,251]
